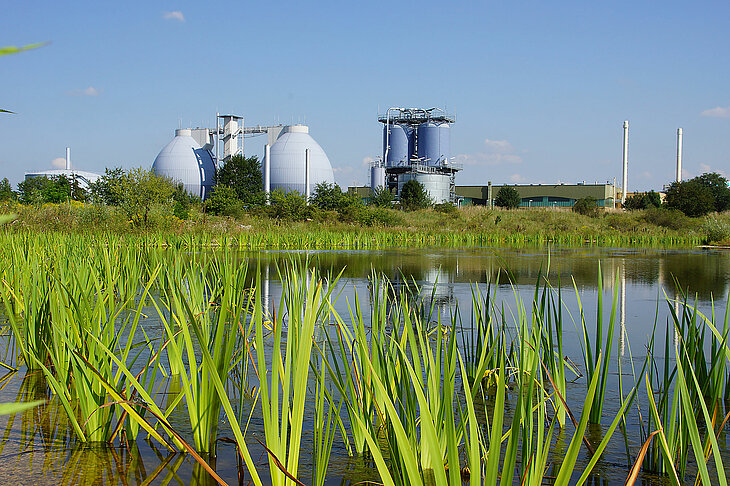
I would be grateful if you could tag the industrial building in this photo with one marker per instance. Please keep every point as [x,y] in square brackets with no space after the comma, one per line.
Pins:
[531,195]
[416,145]
[293,160]
[82,177]
[540,195]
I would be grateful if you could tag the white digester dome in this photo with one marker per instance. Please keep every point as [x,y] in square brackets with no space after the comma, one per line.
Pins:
[287,165]
[183,160]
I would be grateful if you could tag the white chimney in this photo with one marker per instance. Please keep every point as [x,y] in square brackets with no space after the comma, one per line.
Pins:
[679,155]
[625,185]
[68,158]
[267,172]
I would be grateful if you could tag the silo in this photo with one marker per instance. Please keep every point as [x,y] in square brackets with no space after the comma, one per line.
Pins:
[377,177]
[287,164]
[184,161]
[401,145]
[433,142]
[437,185]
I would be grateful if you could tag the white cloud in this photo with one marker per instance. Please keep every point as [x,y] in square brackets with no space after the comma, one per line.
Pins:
[704,169]
[90,91]
[174,15]
[59,162]
[496,152]
[718,112]
[516,178]
[366,161]
[498,146]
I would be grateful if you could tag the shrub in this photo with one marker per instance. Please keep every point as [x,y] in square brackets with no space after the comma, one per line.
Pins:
[381,197]
[243,175]
[717,230]
[445,208]
[413,196]
[224,202]
[586,206]
[289,205]
[379,217]
[507,197]
[667,218]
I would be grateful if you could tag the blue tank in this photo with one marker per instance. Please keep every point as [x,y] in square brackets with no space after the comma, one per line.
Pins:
[401,145]
[433,143]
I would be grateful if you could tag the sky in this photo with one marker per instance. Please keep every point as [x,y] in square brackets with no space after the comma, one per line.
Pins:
[539,89]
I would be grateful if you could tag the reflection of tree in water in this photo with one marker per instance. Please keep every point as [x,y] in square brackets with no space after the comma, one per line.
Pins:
[705,273]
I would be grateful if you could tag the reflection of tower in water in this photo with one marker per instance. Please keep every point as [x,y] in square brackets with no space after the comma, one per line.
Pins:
[434,292]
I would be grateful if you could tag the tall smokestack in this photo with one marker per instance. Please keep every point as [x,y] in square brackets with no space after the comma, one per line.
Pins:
[626,163]
[267,172]
[679,155]
[68,158]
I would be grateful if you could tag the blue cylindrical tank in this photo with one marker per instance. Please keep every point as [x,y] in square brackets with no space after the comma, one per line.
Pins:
[433,142]
[401,144]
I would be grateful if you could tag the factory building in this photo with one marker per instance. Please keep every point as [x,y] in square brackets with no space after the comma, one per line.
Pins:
[416,146]
[82,177]
[531,195]
[540,195]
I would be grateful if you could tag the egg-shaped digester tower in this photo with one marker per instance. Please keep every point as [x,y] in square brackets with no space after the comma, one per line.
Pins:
[184,161]
[287,164]
[433,142]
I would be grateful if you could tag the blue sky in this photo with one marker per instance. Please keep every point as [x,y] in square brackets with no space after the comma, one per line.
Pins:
[540,89]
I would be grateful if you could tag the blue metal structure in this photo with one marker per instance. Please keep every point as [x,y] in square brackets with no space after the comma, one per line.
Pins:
[433,143]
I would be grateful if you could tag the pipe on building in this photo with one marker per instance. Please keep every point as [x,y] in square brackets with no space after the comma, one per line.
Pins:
[626,163]
[679,155]
[267,172]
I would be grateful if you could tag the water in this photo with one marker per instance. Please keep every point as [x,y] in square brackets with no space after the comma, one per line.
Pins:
[37,447]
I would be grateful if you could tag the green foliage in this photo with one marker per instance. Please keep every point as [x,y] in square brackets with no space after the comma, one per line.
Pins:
[717,230]
[108,188]
[381,197]
[586,206]
[6,191]
[667,218]
[243,175]
[224,202]
[643,200]
[699,196]
[445,208]
[331,198]
[718,185]
[288,205]
[508,198]
[141,190]
[413,196]
[41,190]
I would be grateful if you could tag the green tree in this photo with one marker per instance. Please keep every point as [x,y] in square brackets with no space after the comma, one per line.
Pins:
[691,197]
[6,191]
[108,188]
[643,200]
[413,196]
[381,197]
[141,189]
[243,175]
[224,202]
[331,198]
[289,205]
[719,188]
[39,190]
[507,197]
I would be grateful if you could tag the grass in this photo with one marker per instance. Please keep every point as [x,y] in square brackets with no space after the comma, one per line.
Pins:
[425,397]
[470,226]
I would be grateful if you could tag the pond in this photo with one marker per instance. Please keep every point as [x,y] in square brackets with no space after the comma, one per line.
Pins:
[38,446]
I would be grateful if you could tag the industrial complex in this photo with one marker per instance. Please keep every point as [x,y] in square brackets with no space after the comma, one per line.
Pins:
[416,145]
